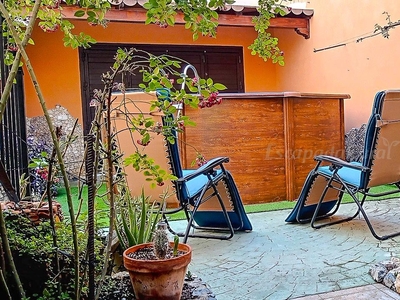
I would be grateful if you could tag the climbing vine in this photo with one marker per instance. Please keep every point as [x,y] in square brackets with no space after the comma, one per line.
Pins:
[201,17]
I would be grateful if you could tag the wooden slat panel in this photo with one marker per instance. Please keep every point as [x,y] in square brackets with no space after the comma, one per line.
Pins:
[271,142]
[318,130]
[251,134]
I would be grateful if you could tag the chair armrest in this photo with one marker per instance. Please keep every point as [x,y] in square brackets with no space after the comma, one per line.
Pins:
[339,162]
[205,169]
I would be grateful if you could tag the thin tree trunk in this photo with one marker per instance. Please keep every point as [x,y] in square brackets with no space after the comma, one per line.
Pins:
[106,96]
[54,138]
[3,103]
[50,202]
[110,184]
[4,286]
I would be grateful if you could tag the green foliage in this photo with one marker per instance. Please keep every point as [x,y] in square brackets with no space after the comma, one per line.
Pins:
[159,73]
[35,257]
[51,19]
[265,45]
[137,219]
[153,172]
[201,17]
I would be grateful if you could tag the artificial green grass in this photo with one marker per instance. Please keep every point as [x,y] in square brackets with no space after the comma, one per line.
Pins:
[262,207]
[101,206]
[62,198]
[375,190]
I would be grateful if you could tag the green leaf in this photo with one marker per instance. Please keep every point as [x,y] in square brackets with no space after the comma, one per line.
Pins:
[214,14]
[220,86]
[190,123]
[148,5]
[155,220]
[205,93]
[142,217]
[149,123]
[131,239]
[120,238]
[192,88]
[91,14]
[146,138]
[171,139]
[79,13]
[171,20]
[165,81]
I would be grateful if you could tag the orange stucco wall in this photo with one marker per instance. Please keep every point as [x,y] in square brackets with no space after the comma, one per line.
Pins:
[57,67]
[359,69]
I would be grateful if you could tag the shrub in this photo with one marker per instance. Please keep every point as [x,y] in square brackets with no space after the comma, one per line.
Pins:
[35,257]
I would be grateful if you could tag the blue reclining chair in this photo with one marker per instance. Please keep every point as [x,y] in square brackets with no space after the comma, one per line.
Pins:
[332,177]
[208,195]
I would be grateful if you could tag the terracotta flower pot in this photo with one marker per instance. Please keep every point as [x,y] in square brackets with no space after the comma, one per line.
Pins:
[158,279]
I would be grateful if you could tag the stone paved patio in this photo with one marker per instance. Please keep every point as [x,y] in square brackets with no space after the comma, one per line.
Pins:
[286,261]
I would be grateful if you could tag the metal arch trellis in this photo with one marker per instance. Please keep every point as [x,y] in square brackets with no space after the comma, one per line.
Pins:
[13,146]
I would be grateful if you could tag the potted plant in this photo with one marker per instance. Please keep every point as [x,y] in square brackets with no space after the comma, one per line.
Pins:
[157,269]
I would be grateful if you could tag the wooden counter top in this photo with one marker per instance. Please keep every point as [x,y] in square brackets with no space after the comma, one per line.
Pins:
[288,94]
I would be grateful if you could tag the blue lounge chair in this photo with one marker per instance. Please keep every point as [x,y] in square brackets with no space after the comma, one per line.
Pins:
[332,177]
[208,195]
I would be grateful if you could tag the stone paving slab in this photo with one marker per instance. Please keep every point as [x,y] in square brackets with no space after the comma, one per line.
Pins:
[286,261]
[369,292]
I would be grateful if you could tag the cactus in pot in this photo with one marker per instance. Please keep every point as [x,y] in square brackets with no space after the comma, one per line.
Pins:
[161,243]
[157,270]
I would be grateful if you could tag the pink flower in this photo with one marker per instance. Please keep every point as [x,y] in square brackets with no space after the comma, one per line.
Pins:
[200,160]
[210,101]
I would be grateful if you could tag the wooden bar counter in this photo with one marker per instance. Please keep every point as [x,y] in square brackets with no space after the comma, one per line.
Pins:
[270,138]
